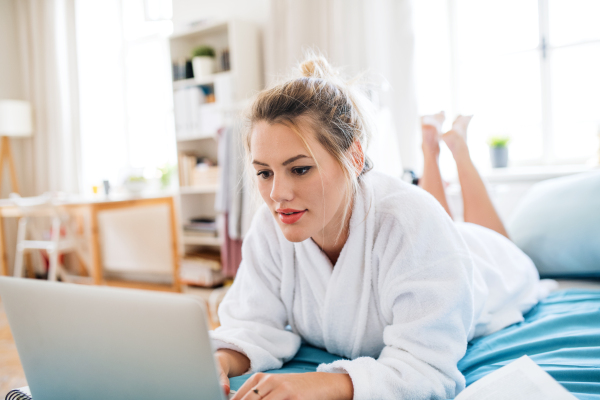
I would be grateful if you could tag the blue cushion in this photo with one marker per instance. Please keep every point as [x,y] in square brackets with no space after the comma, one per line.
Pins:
[561,334]
[557,224]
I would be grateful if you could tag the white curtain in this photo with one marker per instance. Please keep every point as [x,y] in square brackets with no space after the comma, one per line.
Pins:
[50,160]
[357,35]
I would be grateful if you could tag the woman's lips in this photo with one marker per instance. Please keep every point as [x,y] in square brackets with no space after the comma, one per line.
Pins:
[289,216]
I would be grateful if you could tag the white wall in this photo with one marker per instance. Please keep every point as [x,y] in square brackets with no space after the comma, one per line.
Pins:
[11,86]
[188,11]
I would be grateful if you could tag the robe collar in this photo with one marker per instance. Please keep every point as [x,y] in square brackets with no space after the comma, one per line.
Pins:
[343,292]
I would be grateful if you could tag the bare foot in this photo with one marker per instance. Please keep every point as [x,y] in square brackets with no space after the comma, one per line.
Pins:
[456,138]
[461,123]
[456,143]
[431,128]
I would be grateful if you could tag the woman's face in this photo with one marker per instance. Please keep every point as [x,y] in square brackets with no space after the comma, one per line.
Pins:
[305,202]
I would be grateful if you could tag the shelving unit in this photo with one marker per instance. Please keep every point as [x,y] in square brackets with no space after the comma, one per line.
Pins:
[202,241]
[196,134]
[205,80]
[199,189]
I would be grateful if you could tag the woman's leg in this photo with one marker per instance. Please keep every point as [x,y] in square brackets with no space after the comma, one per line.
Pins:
[431,180]
[478,207]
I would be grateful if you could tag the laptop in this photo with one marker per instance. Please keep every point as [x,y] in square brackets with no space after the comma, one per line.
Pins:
[92,342]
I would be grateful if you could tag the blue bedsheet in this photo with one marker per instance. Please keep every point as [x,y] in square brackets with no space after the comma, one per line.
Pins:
[561,334]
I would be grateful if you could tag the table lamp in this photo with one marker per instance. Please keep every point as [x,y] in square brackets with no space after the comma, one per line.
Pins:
[15,120]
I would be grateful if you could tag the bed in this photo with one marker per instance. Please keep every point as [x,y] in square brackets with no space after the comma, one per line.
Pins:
[557,224]
[561,334]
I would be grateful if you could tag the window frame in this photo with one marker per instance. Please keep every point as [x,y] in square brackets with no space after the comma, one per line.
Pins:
[545,51]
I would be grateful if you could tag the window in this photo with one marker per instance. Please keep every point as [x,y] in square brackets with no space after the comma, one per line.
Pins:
[528,69]
[125,91]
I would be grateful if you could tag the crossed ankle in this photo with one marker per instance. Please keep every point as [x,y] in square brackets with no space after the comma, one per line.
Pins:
[431,152]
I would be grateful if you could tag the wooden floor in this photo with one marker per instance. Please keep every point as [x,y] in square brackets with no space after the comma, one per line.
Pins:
[11,372]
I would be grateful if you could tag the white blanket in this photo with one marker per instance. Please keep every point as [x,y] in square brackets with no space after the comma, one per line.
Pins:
[408,291]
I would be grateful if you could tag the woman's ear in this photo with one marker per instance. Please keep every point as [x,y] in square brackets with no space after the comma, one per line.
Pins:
[358,157]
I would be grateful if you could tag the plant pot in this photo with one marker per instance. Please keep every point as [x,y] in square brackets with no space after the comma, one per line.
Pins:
[499,156]
[135,187]
[203,66]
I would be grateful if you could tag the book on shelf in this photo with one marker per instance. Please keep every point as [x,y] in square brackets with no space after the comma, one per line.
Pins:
[196,233]
[201,227]
[200,276]
[195,171]
[201,269]
[210,259]
[196,112]
[203,223]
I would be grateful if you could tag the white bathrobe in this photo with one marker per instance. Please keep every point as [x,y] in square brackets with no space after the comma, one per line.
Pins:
[408,291]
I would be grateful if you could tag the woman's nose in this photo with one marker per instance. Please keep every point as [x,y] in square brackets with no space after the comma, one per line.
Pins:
[282,190]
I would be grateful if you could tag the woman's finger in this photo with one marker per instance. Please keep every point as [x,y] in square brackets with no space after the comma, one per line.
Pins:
[224,382]
[259,387]
[223,369]
[250,382]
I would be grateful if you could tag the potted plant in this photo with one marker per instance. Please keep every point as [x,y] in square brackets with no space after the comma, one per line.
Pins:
[135,184]
[203,61]
[166,173]
[499,151]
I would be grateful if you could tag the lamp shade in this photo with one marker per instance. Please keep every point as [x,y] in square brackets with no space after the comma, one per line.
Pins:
[15,118]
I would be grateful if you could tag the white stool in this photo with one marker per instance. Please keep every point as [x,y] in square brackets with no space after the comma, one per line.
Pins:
[42,207]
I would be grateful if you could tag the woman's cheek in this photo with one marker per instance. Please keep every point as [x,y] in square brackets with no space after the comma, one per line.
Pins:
[320,189]
[332,198]
[264,188]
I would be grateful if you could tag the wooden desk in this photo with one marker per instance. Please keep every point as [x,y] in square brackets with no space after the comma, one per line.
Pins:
[91,207]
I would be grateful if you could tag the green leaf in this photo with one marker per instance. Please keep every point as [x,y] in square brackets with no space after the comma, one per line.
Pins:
[498,141]
[203,51]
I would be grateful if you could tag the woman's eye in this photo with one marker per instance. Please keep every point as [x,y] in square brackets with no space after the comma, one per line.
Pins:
[301,170]
[264,174]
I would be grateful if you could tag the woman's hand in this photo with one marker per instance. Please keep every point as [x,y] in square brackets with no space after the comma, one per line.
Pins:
[310,385]
[230,363]
[223,370]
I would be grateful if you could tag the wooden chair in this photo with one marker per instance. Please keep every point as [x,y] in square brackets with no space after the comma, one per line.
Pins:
[43,207]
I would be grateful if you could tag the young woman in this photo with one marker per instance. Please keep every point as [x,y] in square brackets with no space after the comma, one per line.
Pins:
[357,262]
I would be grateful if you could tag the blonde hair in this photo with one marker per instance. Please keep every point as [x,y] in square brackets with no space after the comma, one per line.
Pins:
[337,111]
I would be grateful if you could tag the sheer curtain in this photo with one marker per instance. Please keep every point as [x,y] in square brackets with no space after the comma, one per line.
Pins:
[356,35]
[50,159]
[125,91]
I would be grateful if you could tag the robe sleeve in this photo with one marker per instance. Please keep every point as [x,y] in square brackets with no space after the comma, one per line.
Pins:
[426,296]
[252,315]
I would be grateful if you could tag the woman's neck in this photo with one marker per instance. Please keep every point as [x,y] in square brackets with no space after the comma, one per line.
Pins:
[330,240]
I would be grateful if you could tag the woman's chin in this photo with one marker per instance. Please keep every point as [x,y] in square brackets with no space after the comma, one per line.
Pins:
[293,233]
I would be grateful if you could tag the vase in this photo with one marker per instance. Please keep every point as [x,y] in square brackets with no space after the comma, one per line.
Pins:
[499,156]
[203,66]
[135,188]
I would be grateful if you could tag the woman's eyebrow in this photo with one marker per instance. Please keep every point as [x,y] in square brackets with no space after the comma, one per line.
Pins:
[286,162]
[291,160]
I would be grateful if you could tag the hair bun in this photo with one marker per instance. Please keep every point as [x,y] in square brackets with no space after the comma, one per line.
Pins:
[317,67]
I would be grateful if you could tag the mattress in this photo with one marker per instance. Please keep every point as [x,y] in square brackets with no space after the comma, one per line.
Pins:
[561,334]
[592,283]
